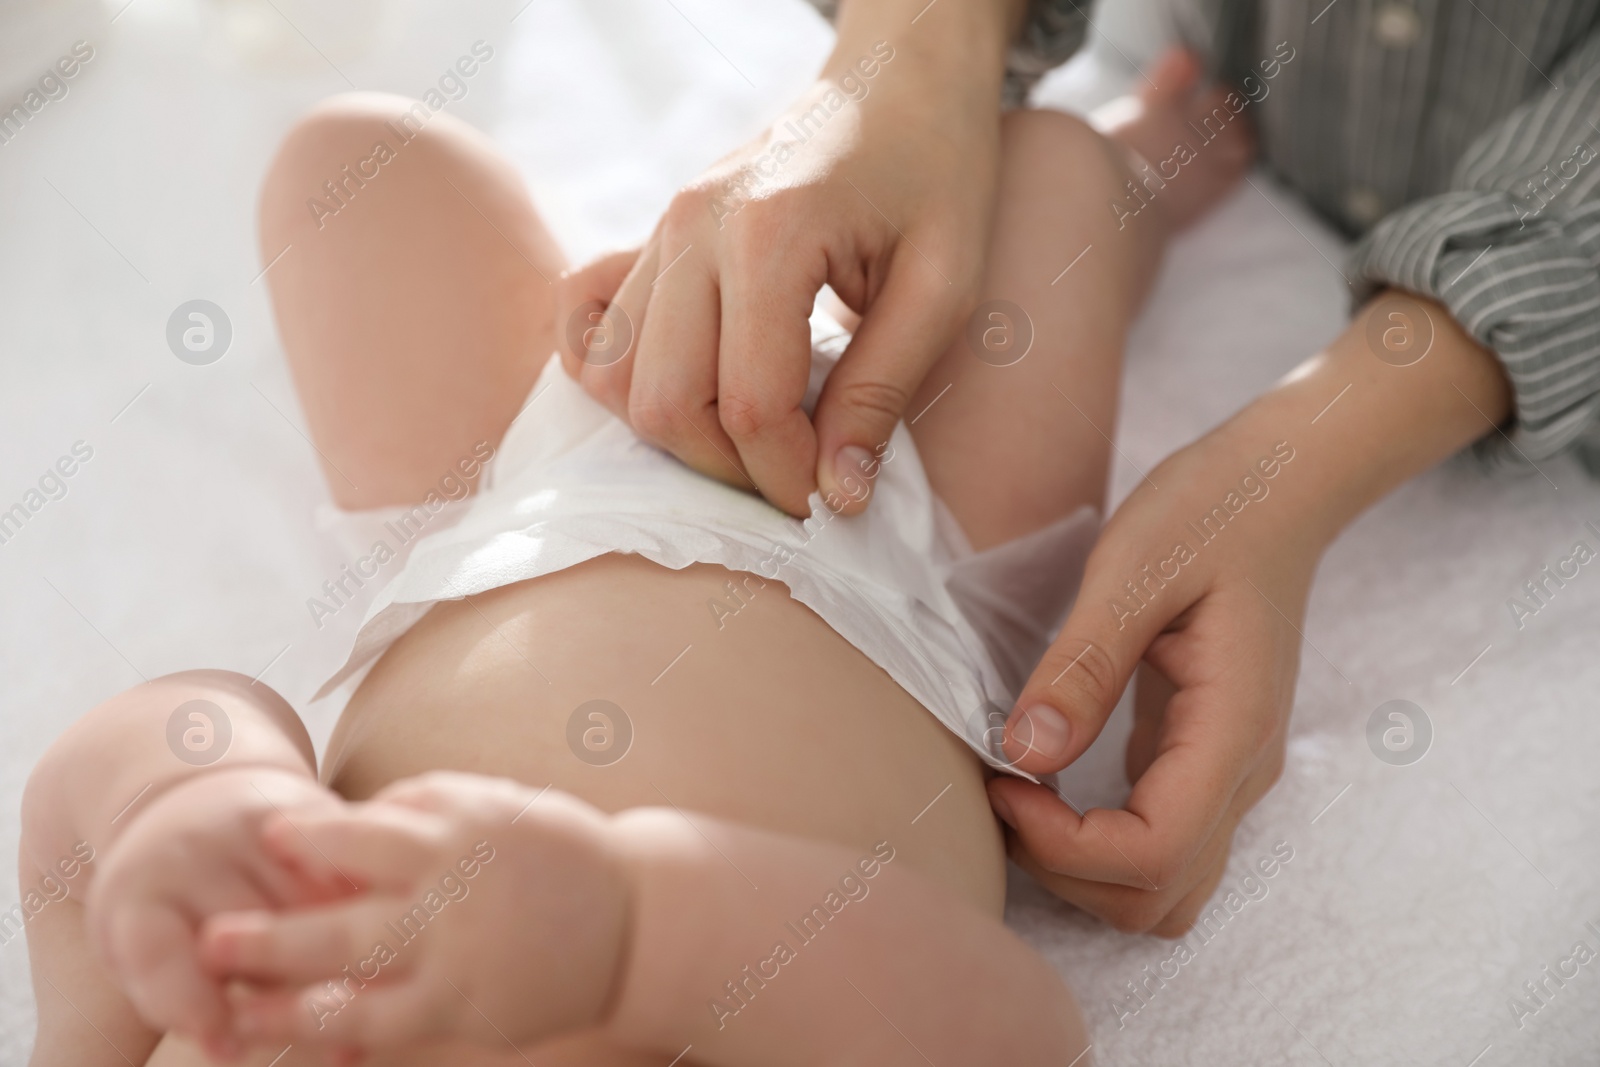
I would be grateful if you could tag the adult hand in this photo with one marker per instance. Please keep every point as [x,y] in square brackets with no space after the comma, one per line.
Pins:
[1203,574]
[879,182]
[1218,621]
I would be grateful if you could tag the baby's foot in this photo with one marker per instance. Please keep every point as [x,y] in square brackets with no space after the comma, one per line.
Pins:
[496,913]
[1195,145]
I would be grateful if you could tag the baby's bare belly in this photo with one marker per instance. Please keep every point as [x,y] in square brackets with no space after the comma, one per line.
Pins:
[769,718]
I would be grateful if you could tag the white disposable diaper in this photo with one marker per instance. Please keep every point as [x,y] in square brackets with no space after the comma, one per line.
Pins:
[960,631]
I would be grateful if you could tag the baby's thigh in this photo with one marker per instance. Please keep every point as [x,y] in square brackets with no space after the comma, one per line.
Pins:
[632,685]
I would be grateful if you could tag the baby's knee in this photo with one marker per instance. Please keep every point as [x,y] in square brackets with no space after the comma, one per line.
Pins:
[1064,146]
[348,142]
[133,731]
[324,151]
[356,120]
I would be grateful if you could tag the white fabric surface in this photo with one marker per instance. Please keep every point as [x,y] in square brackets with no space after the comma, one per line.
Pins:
[1414,907]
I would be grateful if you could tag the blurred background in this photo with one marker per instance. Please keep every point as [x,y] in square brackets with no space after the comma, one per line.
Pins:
[1419,899]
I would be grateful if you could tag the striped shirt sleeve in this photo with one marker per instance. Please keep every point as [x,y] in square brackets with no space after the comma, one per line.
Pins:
[1054,31]
[1512,249]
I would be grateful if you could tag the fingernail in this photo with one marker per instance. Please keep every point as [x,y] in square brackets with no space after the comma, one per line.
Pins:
[1003,809]
[850,465]
[1041,729]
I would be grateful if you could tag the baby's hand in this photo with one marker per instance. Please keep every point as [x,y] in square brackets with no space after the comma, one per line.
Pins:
[196,851]
[497,915]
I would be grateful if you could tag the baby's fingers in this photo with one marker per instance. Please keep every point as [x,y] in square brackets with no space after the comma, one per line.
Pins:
[152,951]
[371,846]
[366,1015]
[291,948]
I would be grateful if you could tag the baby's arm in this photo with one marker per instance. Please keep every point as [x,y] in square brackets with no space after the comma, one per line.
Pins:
[118,800]
[504,915]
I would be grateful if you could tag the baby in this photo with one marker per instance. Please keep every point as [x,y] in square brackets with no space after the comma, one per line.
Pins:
[641,770]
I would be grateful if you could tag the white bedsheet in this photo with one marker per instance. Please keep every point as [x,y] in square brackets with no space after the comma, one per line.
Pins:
[1419,899]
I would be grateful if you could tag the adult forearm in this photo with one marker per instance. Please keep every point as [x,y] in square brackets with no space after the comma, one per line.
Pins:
[1364,418]
[967,37]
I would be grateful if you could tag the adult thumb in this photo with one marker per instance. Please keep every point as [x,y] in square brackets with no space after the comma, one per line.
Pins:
[900,337]
[1077,684]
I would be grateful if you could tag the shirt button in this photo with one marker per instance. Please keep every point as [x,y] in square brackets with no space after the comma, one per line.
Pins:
[1362,205]
[1396,26]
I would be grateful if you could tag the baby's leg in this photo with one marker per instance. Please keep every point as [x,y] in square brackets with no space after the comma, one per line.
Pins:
[1011,448]
[772,719]
[91,784]
[668,945]
[417,316]
[894,969]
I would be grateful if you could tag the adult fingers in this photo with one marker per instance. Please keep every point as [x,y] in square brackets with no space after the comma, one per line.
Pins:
[1214,858]
[1065,841]
[765,359]
[673,400]
[902,334]
[1203,755]
[1207,743]
[1181,919]
[1151,692]
[1072,692]
[1166,912]
[1219,742]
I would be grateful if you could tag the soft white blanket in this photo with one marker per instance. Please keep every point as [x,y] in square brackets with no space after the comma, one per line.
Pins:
[1418,900]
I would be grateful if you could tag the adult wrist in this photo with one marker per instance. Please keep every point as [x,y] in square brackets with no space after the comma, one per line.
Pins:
[965,39]
[1364,417]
